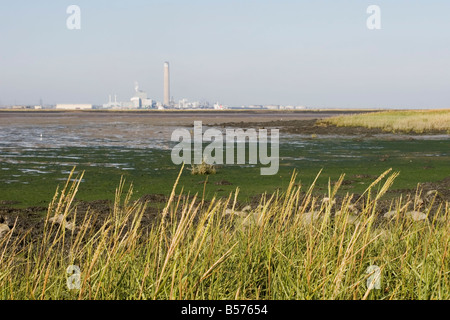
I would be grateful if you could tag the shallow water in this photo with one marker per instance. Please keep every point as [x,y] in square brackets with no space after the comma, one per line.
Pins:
[37,146]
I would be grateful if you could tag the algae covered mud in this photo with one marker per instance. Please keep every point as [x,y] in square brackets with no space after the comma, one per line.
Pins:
[38,150]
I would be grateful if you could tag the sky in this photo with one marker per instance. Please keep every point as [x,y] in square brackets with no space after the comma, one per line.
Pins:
[237,52]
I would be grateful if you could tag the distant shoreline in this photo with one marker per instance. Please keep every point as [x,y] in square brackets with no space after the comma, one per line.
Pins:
[160,118]
[256,111]
[309,122]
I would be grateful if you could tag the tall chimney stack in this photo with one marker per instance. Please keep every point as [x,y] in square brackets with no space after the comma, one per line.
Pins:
[166,84]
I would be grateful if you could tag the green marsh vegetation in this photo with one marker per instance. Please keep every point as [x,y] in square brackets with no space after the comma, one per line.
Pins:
[203,169]
[30,177]
[418,121]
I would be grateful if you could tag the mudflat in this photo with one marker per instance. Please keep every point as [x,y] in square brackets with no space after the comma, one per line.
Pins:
[161,118]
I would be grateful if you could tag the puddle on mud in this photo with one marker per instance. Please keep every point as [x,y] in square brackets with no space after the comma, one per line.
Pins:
[33,171]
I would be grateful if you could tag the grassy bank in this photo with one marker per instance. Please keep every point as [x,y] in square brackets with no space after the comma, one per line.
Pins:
[420,121]
[292,246]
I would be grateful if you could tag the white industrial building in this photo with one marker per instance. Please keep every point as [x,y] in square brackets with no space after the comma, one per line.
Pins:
[138,101]
[74,107]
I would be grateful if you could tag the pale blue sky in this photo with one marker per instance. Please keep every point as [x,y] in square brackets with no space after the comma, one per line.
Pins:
[313,53]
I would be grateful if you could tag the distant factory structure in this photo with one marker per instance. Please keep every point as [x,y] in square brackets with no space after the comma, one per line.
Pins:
[140,100]
[166,84]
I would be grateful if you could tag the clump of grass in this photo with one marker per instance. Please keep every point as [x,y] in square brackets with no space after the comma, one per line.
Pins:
[203,169]
[299,247]
[419,121]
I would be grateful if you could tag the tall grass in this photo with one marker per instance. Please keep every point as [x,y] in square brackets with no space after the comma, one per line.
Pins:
[292,246]
[418,121]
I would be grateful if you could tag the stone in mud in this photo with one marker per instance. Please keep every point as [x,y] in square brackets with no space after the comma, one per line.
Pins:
[309,217]
[351,219]
[351,209]
[382,234]
[431,193]
[59,219]
[242,213]
[327,200]
[416,215]
[390,214]
[70,226]
[4,229]
[234,212]
[255,218]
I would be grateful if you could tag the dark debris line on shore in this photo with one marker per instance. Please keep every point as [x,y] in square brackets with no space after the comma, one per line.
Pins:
[315,127]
